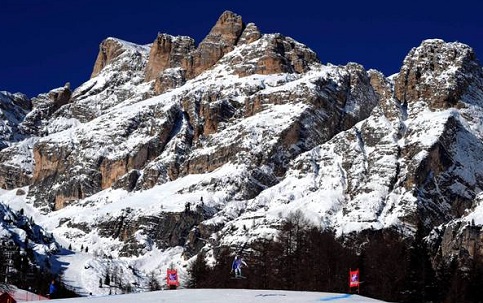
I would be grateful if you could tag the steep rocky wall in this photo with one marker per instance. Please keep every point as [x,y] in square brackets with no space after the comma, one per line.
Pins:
[437,72]
[166,230]
[220,40]
[168,52]
[13,110]
[66,168]
[109,51]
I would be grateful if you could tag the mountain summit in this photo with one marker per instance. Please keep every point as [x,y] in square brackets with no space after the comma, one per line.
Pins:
[176,147]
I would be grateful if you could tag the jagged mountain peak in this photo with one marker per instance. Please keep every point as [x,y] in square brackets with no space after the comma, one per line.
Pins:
[443,53]
[174,60]
[170,52]
[438,72]
[226,31]
[110,50]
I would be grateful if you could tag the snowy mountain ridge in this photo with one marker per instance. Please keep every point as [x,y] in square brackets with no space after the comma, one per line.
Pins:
[171,148]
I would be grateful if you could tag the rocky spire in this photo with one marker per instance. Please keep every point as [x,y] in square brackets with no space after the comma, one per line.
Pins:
[109,50]
[436,72]
[168,52]
[250,34]
[221,40]
[226,32]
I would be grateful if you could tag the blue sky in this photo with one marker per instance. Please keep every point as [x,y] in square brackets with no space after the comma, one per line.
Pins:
[46,43]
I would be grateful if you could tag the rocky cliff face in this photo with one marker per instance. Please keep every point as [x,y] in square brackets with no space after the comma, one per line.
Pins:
[168,52]
[173,60]
[438,72]
[121,80]
[13,109]
[110,51]
[257,126]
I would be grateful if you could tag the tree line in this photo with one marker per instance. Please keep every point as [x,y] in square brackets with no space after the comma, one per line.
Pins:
[305,258]
[17,267]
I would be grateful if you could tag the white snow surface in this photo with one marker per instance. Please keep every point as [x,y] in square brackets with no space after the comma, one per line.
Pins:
[225,295]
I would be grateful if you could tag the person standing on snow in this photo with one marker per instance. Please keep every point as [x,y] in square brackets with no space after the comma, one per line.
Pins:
[236,266]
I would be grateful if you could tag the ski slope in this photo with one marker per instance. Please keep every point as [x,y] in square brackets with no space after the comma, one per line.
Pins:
[223,296]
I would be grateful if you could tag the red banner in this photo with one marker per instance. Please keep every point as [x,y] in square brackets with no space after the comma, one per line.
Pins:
[172,277]
[354,278]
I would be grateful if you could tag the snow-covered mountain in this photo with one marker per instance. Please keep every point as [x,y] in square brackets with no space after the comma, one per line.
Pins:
[171,147]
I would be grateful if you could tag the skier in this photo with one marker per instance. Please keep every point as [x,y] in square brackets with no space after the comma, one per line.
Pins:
[236,266]
[52,290]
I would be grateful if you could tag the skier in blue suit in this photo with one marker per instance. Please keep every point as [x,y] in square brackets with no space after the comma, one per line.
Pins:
[52,290]
[236,266]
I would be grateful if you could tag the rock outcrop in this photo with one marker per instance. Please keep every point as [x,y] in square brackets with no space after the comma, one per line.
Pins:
[109,51]
[44,108]
[13,109]
[220,40]
[168,52]
[121,79]
[437,72]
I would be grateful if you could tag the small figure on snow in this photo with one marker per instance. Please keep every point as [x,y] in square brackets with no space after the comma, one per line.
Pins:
[236,266]
[52,290]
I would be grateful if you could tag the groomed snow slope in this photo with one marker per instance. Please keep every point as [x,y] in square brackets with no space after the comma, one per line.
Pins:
[223,296]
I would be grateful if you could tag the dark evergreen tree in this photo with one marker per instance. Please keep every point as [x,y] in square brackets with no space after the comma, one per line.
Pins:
[153,282]
[263,268]
[334,260]
[420,281]
[385,262]
[456,284]
[474,293]
[107,279]
[292,237]
[218,276]
[198,272]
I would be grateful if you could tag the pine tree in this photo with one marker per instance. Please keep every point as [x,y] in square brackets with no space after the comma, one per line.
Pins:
[292,238]
[421,280]
[198,272]
[385,263]
[153,282]
[454,282]
[107,279]
[474,293]
[218,276]
[262,267]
